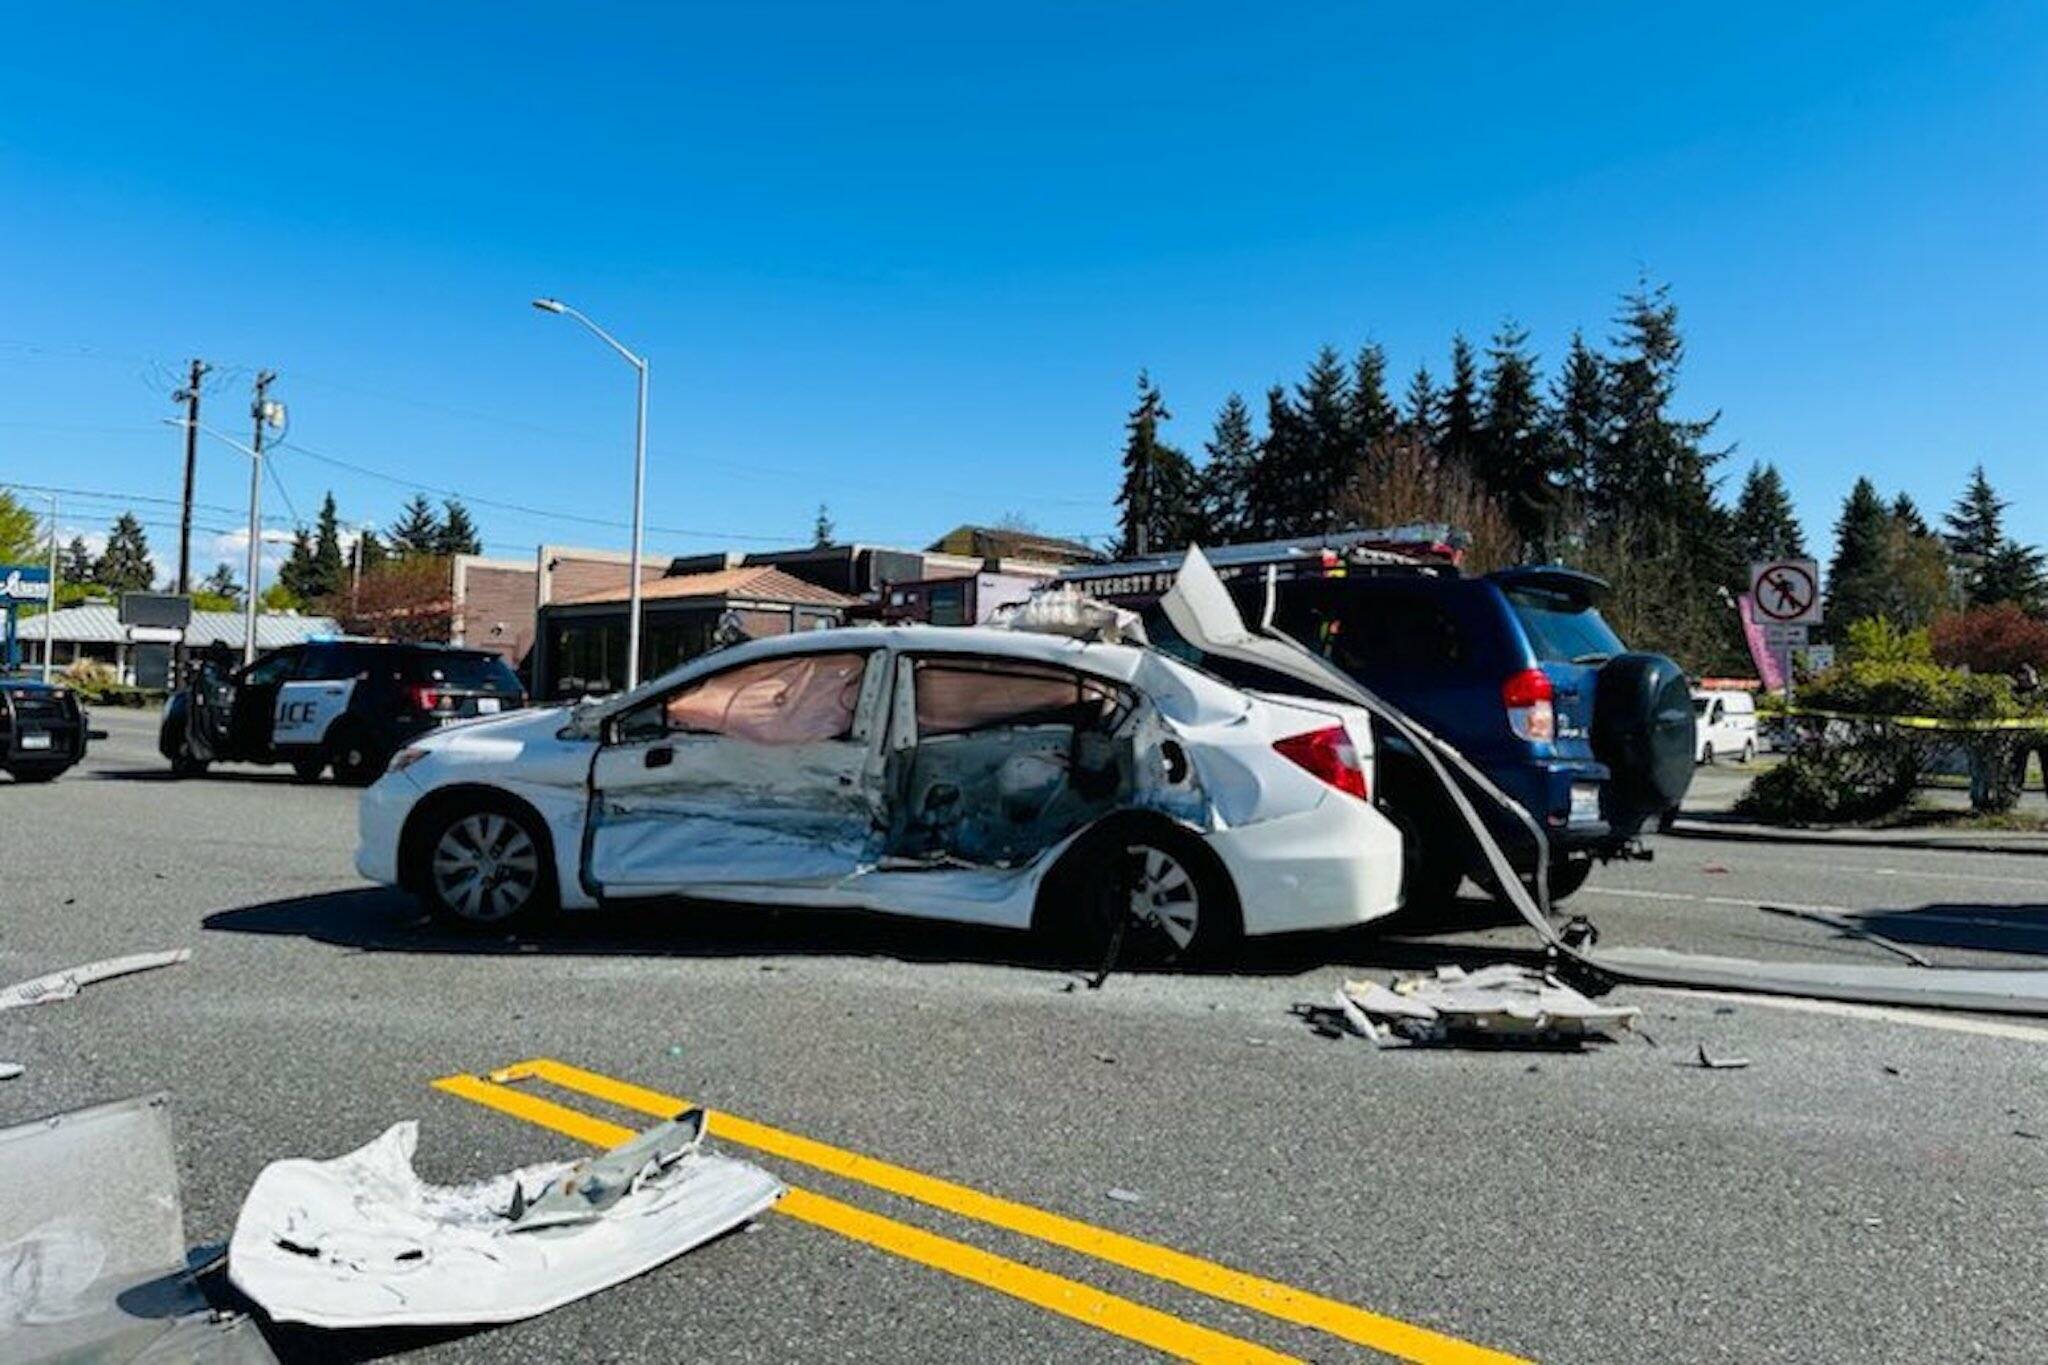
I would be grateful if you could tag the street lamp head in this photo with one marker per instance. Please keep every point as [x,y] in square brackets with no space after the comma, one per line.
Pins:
[549,306]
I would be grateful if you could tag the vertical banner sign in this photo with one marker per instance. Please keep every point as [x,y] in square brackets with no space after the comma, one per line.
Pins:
[1769,666]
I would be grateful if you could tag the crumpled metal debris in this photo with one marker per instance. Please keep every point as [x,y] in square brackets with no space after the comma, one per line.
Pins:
[1070,612]
[93,1261]
[362,1241]
[62,985]
[1501,1002]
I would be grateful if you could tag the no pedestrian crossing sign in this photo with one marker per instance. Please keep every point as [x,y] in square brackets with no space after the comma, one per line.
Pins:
[1785,592]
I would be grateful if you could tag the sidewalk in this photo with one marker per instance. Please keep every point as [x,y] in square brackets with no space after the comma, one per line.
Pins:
[1719,825]
[1707,814]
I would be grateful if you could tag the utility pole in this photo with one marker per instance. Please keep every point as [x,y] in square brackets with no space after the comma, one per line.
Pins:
[259,410]
[189,396]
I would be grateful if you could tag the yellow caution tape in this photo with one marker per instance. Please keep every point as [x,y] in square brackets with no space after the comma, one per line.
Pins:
[1919,722]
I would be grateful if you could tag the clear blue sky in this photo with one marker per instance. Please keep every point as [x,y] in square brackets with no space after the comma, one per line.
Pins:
[906,260]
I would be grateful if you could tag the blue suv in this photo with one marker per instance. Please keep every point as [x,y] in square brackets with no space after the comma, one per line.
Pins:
[1520,672]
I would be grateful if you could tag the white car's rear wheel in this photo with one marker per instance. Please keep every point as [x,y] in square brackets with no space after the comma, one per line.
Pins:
[1164,896]
[1148,885]
[486,864]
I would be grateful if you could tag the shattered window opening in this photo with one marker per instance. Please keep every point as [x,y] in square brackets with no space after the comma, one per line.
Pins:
[957,696]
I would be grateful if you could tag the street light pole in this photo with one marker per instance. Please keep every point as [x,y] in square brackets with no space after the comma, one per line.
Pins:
[639,363]
[50,607]
[263,381]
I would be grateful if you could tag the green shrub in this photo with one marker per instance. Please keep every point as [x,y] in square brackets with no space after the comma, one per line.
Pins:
[1858,764]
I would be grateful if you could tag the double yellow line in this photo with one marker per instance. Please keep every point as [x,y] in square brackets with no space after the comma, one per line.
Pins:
[1055,1293]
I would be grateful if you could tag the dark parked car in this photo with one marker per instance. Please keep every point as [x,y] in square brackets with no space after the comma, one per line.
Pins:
[351,703]
[43,729]
[1516,669]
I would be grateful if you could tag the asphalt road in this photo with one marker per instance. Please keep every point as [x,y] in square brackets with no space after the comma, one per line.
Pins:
[1872,1187]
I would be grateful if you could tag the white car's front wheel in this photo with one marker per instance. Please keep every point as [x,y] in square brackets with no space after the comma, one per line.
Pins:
[486,863]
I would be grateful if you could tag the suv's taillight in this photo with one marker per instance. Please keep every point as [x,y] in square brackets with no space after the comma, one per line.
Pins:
[1330,755]
[423,698]
[1527,695]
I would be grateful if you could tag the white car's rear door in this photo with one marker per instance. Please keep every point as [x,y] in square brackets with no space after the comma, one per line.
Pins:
[764,773]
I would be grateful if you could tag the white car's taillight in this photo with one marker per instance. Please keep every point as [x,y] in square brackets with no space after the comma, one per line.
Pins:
[1528,698]
[405,758]
[1330,755]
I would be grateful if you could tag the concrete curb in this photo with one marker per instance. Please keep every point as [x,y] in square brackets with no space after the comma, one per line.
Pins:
[1974,841]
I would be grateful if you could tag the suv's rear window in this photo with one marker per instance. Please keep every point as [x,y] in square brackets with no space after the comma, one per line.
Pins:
[1564,629]
[466,672]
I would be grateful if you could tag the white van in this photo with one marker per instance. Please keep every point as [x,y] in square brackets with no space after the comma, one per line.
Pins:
[1723,723]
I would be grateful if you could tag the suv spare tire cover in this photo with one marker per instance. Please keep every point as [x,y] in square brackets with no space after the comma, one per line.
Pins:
[1643,729]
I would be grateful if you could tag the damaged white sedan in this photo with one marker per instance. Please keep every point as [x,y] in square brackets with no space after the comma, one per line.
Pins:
[980,775]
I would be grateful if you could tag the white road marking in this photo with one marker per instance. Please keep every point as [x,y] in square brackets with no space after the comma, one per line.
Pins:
[1743,902]
[1944,1023]
[1853,912]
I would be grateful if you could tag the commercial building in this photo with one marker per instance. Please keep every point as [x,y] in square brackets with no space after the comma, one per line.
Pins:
[583,639]
[93,631]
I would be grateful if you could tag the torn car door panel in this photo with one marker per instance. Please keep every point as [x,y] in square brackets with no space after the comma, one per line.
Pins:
[1004,759]
[760,773]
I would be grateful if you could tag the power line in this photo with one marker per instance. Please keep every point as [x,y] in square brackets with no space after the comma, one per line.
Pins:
[544,514]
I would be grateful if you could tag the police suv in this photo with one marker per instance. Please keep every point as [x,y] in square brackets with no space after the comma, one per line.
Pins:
[43,729]
[349,703]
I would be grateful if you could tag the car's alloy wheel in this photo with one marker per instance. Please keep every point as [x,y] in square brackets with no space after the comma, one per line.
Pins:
[485,868]
[1164,895]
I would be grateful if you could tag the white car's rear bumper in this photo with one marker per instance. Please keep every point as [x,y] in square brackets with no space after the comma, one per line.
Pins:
[1336,864]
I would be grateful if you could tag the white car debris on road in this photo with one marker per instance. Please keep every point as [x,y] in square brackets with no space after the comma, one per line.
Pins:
[362,1241]
[1503,1002]
[62,985]
[1003,777]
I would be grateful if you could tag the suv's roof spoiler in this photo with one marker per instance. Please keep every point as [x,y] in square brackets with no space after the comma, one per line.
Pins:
[1573,583]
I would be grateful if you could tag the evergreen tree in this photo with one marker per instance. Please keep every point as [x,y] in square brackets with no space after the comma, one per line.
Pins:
[370,550]
[2011,573]
[1578,415]
[1224,492]
[222,582]
[1859,575]
[1906,513]
[1995,567]
[1765,525]
[821,529]
[299,575]
[458,533]
[1328,455]
[1272,497]
[330,572]
[74,564]
[124,565]
[1459,439]
[1373,418]
[1422,408]
[417,530]
[1651,466]
[1976,524]
[1512,457]
[1157,496]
